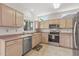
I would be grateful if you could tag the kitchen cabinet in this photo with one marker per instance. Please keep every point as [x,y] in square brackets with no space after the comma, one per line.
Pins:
[54,21]
[19,19]
[36,39]
[41,24]
[62,23]
[69,23]
[44,24]
[9,17]
[11,48]
[66,40]
[44,37]
[66,23]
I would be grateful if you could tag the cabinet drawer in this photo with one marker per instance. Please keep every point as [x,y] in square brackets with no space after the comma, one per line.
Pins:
[11,42]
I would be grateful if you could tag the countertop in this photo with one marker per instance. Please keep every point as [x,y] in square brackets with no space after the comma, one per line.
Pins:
[60,30]
[65,30]
[13,37]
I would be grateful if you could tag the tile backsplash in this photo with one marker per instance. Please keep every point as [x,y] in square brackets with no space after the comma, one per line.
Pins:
[8,30]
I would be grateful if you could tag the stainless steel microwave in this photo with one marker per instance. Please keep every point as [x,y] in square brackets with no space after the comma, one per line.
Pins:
[53,26]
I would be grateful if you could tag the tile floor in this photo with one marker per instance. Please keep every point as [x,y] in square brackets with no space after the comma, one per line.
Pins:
[49,50]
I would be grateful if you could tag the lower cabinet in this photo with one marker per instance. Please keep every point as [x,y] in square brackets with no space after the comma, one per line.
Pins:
[14,49]
[44,37]
[11,48]
[36,39]
[66,40]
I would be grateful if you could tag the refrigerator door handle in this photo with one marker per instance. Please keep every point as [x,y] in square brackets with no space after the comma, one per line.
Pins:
[74,34]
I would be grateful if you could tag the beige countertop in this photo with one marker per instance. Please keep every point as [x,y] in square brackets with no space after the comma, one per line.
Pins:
[60,30]
[65,30]
[13,37]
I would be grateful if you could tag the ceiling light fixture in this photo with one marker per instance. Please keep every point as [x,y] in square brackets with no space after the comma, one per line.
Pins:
[56,5]
[32,10]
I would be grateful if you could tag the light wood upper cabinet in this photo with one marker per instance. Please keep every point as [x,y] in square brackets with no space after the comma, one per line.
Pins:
[10,17]
[44,24]
[62,23]
[54,21]
[41,24]
[69,23]
[19,19]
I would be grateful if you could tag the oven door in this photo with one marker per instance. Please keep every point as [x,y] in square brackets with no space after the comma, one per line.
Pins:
[53,38]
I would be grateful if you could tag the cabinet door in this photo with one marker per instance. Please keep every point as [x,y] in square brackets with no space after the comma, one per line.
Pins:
[62,23]
[66,40]
[8,16]
[5,16]
[62,40]
[69,23]
[19,19]
[42,24]
[46,24]
[14,48]
[44,37]
[54,21]
[34,41]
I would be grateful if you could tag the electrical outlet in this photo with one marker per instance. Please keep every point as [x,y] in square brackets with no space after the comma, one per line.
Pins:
[7,30]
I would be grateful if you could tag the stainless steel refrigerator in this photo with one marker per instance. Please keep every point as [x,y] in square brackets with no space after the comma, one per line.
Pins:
[76,34]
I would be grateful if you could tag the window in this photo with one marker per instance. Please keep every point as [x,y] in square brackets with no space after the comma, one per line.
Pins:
[28,25]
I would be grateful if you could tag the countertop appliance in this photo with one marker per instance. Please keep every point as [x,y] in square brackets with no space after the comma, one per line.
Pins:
[27,44]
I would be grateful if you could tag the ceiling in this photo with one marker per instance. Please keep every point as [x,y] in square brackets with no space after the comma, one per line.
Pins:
[43,8]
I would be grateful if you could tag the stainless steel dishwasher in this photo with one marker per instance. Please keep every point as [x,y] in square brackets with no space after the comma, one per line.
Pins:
[27,44]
